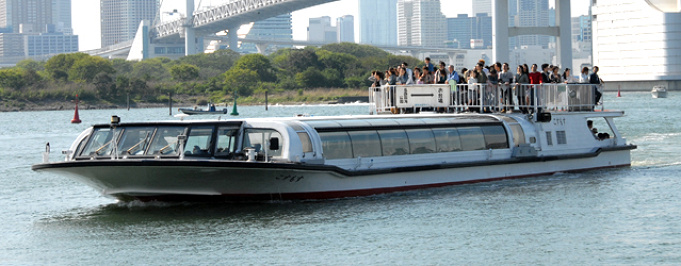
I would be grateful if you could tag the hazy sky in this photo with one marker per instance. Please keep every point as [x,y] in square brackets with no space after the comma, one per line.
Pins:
[86,15]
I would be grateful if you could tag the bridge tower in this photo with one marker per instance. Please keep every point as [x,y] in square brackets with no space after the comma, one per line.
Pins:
[501,32]
[189,32]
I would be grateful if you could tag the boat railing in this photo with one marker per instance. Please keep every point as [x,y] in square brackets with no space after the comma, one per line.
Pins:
[484,98]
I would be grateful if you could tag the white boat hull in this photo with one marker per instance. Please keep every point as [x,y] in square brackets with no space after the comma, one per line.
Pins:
[279,182]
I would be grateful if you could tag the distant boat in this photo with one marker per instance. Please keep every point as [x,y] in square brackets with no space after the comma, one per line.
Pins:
[659,92]
[198,111]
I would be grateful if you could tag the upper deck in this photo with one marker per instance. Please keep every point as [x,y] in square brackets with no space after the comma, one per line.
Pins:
[484,98]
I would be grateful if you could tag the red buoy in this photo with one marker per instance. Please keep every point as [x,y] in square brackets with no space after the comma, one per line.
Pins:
[76,119]
[618,91]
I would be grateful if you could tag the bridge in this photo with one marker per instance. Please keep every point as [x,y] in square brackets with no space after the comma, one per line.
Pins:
[179,37]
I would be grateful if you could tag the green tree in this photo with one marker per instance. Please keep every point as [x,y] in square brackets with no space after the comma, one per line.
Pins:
[184,72]
[58,66]
[105,86]
[85,69]
[260,64]
[242,81]
[357,50]
[12,78]
[150,69]
[311,78]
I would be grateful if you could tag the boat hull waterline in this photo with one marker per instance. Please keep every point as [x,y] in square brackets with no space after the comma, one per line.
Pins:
[205,180]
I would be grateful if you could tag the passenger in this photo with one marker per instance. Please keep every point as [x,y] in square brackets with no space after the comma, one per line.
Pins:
[568,78]
[417,75]
[473,88]
[212,108]
[464,76]
[378,79]
[484,69]
[492,92]
[584,76]
[482,72]
[429,65]
[404,77]
[536,78]
[505,79]
[596,80]
[521,80]
[441,74]
[427,76]
[545,74]
[555,75]
[410,74]
[498,68]
[452,74]
[391,76]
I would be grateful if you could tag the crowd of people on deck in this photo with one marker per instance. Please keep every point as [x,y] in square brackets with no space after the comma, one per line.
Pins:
[492,75]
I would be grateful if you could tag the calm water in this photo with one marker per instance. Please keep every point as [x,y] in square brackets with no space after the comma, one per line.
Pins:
[622,216]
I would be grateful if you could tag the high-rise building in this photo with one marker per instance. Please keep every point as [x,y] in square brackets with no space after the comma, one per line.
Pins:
[346,28]
[61,16]
[378,22]
[275,28]
[420,23]
[482,6]
[27,16]
[120,19]
[320,30]
[462,29]
[533,13]
[637,44]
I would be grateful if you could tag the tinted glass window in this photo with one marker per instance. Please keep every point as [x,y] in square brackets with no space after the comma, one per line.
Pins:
[259,139]
[495,137]
[471,138]
[518,134]
[165,140]
[99,143]
[421,141]
[394,142]
[336,145]
[134,140]
[226,140]
[447,139]
[198,141]
[365,143]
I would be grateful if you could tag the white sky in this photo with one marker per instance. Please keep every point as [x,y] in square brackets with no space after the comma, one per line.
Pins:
[86,15]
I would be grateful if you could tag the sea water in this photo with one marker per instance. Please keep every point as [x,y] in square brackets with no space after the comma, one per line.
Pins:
[628,215]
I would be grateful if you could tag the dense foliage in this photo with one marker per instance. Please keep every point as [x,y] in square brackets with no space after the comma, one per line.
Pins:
[214,77]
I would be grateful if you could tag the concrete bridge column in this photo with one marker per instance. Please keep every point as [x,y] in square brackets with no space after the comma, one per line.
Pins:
[500,51]
[564,39]
[189,34]
[233,39]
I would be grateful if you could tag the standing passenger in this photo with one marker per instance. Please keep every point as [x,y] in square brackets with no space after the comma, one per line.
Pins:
[430,66]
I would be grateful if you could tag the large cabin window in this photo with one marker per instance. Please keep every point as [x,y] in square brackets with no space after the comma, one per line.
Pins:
[165,140]
[421,141]
[199,141]
[134,140]
[99,143]
[495,137]
[472,138]
[226,141]
[259,139]
[447,139]
[393,142]
[336,145]
[365,143]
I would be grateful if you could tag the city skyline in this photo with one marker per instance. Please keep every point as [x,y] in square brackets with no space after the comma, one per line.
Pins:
[86,19]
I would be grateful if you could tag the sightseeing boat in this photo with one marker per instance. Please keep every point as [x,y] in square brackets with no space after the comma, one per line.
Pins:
[417,136]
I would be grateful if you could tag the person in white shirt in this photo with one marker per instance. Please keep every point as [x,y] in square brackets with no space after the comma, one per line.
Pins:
[584,77]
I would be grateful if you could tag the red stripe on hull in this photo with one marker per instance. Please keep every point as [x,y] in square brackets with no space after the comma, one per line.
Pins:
[329,194]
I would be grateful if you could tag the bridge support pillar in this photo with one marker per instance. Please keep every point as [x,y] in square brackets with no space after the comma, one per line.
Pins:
[564,38]
[189,33]
[500,52]
[233,39]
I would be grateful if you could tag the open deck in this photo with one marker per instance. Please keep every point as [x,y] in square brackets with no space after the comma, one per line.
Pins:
[483,98]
